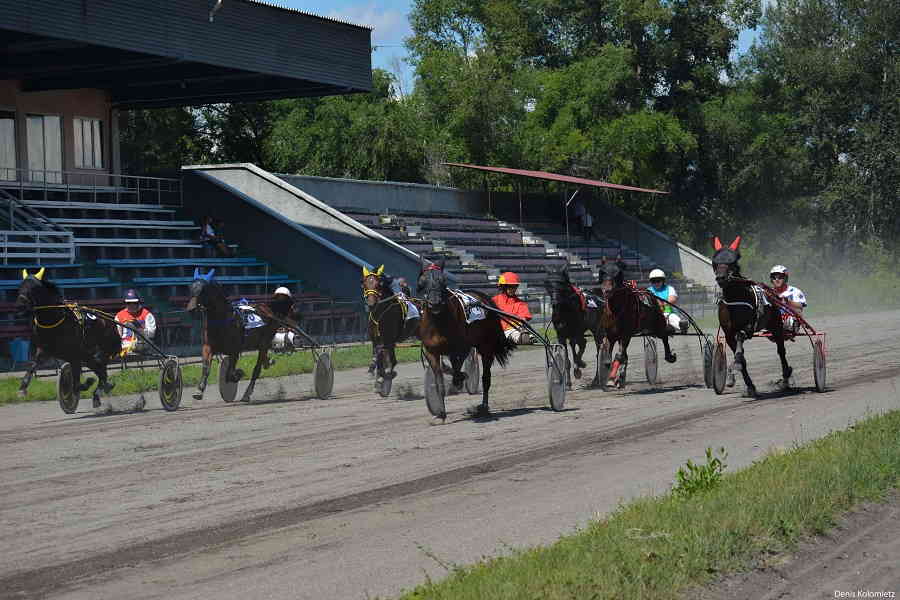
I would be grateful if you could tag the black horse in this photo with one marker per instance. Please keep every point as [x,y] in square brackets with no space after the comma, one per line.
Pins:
[444,330]
[744,310]
[572,316]
[387,323]
[628,312]
[67,333]
[224,331]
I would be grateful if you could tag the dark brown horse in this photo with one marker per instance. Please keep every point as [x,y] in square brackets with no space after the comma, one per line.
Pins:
[743,311]
[71,334]
[444,330]
[572,316]
[628,312]
[224,331]
[388,322]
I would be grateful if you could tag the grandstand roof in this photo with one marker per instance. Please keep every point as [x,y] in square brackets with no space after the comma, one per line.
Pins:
[556,177]
[181,52]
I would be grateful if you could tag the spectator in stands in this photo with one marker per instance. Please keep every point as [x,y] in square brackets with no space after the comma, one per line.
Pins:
[212,239]
[587,226]
[137,316]
[508,301]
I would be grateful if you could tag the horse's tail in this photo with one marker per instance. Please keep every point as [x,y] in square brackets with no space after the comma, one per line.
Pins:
[504,350]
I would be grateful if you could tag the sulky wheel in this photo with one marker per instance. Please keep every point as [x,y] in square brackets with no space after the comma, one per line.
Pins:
[557,376]
[66,390]
[707,363]
[472,369]
[324,376]
[227,387]
[819,365]
[719,367]
[651,360]
[603,364]
[170,384]
[434,393]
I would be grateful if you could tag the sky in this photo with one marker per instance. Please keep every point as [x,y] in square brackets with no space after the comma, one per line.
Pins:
[390,24]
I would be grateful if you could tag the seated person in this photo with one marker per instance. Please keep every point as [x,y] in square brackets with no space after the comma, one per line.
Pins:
[282,305]
[138,317]
[509,302]
[661,290]
[212,240]
[792,296]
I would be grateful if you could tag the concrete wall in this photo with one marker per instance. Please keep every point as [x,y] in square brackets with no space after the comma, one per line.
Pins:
[388,196]
[310,239]
[67,104]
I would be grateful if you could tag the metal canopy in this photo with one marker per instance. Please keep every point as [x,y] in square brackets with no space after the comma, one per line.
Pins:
[556,177]
[176,53]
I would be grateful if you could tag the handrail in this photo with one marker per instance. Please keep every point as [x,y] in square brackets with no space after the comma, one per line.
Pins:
[148,190]
[60,245]
[32,219]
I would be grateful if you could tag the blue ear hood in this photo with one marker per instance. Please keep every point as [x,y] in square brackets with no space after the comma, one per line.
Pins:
[196,273]
[209,275]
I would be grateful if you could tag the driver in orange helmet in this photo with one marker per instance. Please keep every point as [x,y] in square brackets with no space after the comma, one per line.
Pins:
[508,301]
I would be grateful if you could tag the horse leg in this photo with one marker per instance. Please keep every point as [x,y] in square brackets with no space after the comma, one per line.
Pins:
[457,361]
[378,359]
[670,356]
[204,378]
[786,370]
[578,345]
[26,379]
[434,363]
[622,359]
[571,369]
[261,359]
[484,409]
[392,356]
[598,343]
[742,363]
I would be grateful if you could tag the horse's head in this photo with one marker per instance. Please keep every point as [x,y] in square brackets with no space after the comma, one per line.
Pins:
[612,275]
[432,285]
[558,285]
[35,290]
[725,260]
[373,285]
[202,289]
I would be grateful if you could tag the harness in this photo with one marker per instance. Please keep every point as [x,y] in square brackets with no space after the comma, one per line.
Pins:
[761,301]
[376,323]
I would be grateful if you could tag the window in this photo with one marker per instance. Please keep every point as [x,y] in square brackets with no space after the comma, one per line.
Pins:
[88,143]
[44,147]
[7,145]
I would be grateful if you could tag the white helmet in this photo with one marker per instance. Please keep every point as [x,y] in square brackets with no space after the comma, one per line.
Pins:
[283,290]
[657,274]
[779,269]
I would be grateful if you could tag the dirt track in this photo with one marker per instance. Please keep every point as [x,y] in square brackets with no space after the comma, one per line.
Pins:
[358,495]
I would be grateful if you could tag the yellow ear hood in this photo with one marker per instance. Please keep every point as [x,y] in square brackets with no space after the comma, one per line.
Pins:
[380,270]
[39,274]
[366,272]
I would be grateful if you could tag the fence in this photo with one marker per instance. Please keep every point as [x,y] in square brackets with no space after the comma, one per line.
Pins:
[37,246]
[93,187]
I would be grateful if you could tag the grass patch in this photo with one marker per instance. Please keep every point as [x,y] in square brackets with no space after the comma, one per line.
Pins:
[661,547]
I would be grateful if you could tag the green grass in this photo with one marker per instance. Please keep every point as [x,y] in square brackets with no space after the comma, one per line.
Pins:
[662,547]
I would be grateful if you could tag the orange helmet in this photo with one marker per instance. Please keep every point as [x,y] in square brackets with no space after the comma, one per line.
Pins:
[508,278]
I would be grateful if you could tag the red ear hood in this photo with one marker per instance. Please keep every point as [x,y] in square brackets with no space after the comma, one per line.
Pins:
[717,244]
[737,242]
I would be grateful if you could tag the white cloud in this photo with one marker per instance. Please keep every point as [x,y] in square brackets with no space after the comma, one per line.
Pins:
[388,26]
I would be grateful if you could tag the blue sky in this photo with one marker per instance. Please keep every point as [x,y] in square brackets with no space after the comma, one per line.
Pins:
[391,26]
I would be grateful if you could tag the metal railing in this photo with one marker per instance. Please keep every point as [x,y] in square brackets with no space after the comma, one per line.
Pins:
[37,246]
[91,186]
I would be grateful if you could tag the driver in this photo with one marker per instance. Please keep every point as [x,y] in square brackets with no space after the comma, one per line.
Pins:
[508,301]
[667,293]
[793,297]
[139,317]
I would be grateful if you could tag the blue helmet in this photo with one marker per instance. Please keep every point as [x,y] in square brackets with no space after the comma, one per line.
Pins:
[132,296]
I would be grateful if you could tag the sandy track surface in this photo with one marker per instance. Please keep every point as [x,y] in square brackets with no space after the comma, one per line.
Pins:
[358,496]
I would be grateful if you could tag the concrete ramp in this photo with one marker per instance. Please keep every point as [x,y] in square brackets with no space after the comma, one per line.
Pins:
[292,229]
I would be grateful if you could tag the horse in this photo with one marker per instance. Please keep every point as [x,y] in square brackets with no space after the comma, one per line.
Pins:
[743,311]
[627,312]
[444,330]
[68,333]
[571,317]
[224,331]
[387,324]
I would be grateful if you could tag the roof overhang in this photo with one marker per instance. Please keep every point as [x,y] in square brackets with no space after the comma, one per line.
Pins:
[556,177]
[175,53]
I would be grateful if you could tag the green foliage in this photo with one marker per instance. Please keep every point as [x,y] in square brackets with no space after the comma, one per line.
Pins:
[695,478]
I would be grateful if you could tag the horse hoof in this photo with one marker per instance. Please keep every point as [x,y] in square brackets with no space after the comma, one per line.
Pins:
[88,382]
[96,402]
[438,420]
[580,364]
[108,386]
[577,373]
[729,380]
[478,410]
[198,396]
[141,403]
[671,359]
[22,393]
[750,392]
[238,375]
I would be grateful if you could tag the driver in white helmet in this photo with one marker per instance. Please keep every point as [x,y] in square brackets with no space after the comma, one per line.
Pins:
[792,296]
[282,305]
[667,297]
